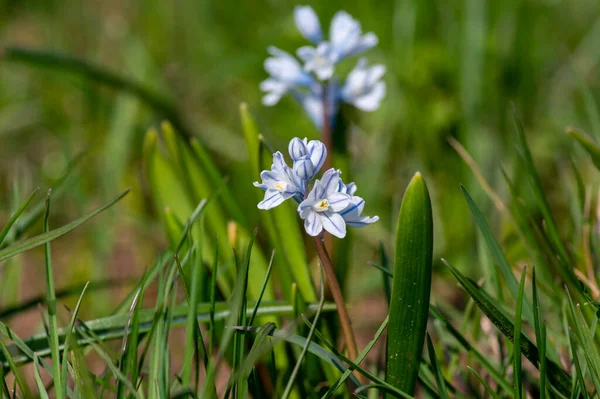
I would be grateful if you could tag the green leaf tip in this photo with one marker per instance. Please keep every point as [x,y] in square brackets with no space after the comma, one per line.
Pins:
[587,143]
[409,304]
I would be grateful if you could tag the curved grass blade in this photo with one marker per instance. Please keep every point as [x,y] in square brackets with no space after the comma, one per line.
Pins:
[51,304]
[41,239]
[97,74]
[38,379]
[497,254]
[312,347]
[557,376]
[587,143]
[380,387]
[535,184]
[69,337]
[439,378]
[290,384]
[540,334]
[360,358]
[113,327]
[518,384]
[16,215]
[487,386]
[409,305]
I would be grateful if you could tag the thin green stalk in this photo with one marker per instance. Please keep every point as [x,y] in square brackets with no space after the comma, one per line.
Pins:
[51,303]
[290,384]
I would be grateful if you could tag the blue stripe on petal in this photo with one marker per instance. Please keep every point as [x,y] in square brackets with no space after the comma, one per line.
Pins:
[313,224]
[352,208]
[272,199]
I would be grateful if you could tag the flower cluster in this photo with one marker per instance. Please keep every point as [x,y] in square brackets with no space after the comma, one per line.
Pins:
[328,205]
[314,84]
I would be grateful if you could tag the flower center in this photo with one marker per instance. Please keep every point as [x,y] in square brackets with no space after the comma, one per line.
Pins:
[321,61]
[281,186]
[321,205]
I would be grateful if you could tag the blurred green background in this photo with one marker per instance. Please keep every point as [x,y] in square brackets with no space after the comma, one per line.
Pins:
[453,69]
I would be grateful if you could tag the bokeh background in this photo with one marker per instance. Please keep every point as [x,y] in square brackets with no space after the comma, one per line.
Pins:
[454,69]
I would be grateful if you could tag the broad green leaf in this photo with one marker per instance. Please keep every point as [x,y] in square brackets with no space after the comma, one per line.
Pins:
[41,239]
[409,305]
[281,223]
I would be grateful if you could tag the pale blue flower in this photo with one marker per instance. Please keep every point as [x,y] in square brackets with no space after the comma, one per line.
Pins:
[364,88]
[352,213]
[312,102]
[280,184]
[308,23]
[320,60]
[320,210]
[345,36]
[308,156]
[285,73]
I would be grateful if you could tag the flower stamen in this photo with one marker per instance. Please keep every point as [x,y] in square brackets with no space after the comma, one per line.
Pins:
[321,205]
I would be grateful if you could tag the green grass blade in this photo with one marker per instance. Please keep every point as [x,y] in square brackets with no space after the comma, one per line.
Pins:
[360,358]
[11,365]
[540,334]
[587,143]
[41,239]
[262,291]
[16,215]
[557,376]
[538,190]
[578,370]
[411,287]
[483,360]
[497,253]
[69,337]
[518,382]
[483,382]
[290,384]
[38,380]
[439,378]
[51,303]
[100,75]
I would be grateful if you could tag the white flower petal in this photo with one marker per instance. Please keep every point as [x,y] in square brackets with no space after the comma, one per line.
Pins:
[306,53]
[368,41]
[344,30]
[317,153]
[354,210]
[304,168]
[271,99]
[325,72]
[260,185]
[271,200]
[329,183]
[338,201]
[371,100]
[313,224]
[351,188]
[375,74]
[362,221]
[308,23]
[297,148]
[334,223]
